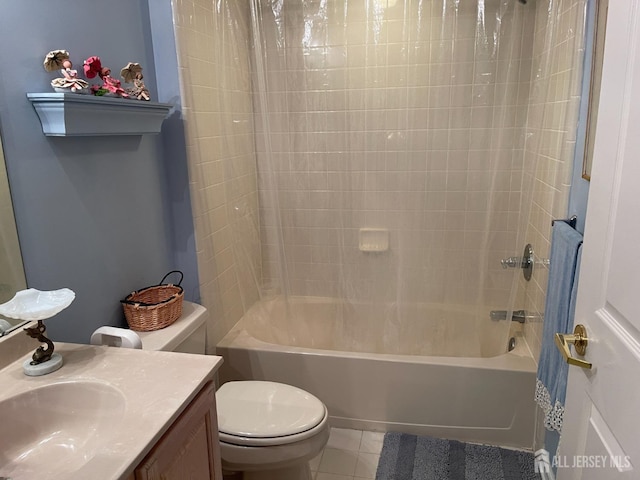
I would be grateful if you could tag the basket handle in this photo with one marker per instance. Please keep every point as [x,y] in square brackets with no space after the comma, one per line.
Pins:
[172,271]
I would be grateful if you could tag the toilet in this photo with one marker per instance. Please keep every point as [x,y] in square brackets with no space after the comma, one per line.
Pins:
[268,430]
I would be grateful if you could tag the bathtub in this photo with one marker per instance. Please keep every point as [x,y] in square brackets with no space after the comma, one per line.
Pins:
[455,381]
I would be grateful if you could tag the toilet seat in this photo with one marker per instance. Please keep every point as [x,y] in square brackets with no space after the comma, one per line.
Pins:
[258,413]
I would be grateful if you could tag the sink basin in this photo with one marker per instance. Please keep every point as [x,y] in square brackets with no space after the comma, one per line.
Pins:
[98,416]
[58,426]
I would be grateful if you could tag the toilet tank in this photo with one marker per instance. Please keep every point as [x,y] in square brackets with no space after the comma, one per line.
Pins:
[186,335]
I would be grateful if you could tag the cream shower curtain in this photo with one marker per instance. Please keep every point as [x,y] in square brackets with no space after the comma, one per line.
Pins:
[383,153]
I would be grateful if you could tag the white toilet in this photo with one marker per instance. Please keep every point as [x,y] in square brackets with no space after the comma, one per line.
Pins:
[268,431]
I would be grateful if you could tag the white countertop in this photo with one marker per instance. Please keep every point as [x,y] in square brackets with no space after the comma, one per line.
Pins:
[156,386]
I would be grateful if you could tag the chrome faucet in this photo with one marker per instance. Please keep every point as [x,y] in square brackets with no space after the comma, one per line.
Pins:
[511,262]
[518,315]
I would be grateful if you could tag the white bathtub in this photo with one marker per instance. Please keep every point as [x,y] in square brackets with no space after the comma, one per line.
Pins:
[351,362]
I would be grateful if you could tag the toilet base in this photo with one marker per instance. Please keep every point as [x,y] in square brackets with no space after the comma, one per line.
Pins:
[296,472]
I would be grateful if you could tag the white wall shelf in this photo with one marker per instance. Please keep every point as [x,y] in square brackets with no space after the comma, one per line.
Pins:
[73,115]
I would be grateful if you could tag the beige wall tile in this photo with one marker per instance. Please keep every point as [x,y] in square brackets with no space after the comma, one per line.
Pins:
[216,91]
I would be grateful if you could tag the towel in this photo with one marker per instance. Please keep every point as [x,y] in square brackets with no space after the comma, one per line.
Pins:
[551,382]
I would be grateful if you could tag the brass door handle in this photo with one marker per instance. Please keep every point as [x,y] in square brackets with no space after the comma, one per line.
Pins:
[579,340]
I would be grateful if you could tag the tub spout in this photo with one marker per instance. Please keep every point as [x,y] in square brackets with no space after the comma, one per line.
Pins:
[518,315]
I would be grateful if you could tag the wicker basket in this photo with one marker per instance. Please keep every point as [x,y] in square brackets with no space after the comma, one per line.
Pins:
[155,307]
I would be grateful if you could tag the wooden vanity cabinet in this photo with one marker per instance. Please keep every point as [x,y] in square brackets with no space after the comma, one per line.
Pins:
[190,449]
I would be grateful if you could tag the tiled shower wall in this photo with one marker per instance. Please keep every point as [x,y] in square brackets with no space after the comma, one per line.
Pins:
[409,120]
[213,39]
[551,124]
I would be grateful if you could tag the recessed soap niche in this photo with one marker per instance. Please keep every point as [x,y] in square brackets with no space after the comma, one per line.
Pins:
[374,240]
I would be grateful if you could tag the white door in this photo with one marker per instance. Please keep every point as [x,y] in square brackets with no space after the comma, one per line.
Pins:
[601,431]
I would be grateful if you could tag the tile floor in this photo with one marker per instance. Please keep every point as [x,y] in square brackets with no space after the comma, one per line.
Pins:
[349,455]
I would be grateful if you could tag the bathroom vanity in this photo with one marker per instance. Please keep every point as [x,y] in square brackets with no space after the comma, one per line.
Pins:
[109,413]
[190,448]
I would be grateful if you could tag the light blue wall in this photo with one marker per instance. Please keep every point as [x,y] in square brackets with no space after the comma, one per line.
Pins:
[101,215]
[174,144]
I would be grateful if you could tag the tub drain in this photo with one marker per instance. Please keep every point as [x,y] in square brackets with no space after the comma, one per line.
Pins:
[512,343]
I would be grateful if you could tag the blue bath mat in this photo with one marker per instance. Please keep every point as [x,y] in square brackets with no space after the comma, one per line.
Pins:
[411,457]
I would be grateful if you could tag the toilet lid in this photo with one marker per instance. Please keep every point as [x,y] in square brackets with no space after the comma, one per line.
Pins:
[266,409]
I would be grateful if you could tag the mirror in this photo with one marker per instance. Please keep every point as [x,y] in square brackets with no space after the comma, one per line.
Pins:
[599,30]
[12,276]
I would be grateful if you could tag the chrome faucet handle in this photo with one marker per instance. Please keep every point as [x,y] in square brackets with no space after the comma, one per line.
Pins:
[525,262]
[511,262]
[545,262]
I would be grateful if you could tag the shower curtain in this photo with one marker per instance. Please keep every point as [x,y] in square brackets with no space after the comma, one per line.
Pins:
[400,117]
[382,153]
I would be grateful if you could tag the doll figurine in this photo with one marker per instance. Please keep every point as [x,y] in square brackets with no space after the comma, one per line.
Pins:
[132,73]
[110,86]
[69,82]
